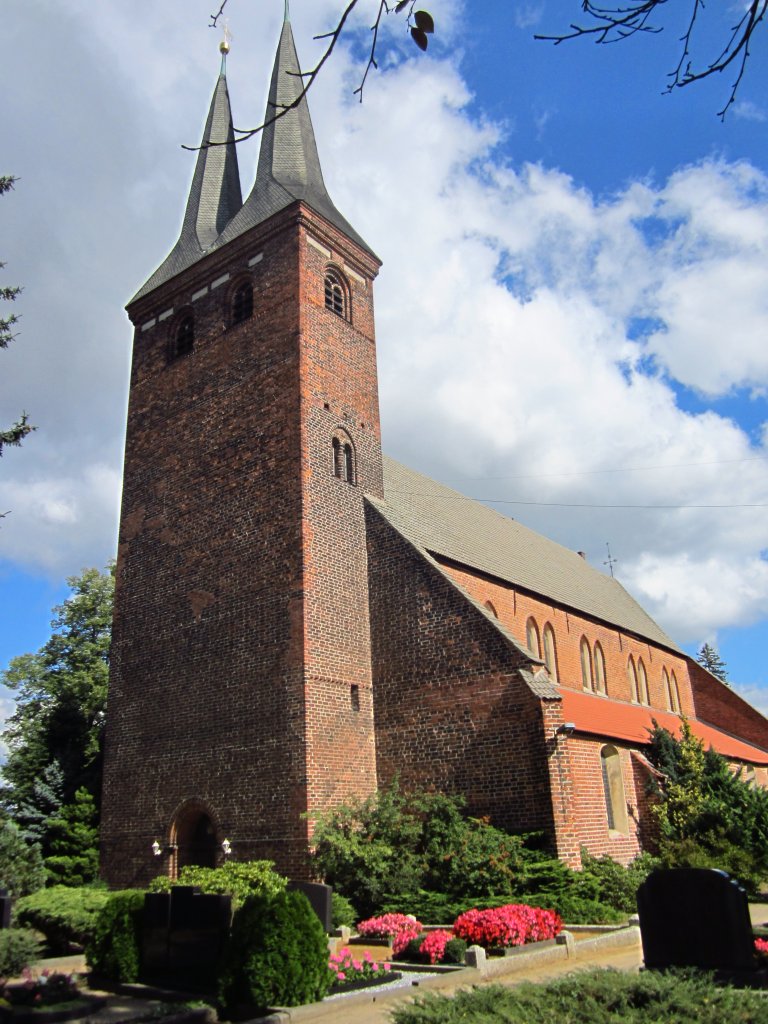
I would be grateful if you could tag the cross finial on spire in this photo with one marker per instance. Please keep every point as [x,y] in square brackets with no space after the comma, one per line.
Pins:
[224,46]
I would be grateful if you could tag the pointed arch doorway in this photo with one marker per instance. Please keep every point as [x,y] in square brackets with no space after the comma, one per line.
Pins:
[193,837]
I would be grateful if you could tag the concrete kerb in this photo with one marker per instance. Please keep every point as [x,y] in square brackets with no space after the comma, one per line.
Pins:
[493,969]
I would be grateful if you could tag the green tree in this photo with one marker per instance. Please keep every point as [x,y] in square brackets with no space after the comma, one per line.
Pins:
[21,863]
[709,659]
[73,839]
[15,434]
[709,815]
[60,702]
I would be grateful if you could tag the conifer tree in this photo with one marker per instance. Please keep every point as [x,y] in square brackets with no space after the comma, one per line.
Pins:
[709,659]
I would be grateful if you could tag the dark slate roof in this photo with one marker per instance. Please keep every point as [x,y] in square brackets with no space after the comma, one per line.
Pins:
[447,524]
[214,197]
[289,166]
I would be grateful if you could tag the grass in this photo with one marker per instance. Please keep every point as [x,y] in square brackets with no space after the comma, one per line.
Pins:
[595,997]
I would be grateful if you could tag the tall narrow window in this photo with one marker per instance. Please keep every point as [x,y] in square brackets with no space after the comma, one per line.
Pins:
[601,683]
[550,652]
[642,684]
[676,707]
[667,689]
[242,303]
[336,294]
[632,677]
[337,458]
[185,337]
[532,637]
[587,680]
[613,789]
[349,464]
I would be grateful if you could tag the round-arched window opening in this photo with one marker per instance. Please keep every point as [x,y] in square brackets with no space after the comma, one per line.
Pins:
[336,294]
[185,337]
[242,303]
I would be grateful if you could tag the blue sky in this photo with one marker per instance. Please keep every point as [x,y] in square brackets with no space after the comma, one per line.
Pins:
[571,316]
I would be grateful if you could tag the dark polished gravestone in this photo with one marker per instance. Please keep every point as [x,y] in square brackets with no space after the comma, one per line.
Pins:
[320,897]
[697,917]
[183,934]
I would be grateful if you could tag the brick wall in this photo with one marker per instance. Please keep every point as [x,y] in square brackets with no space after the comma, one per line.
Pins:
[719,704]
[515,606]
[233,657]
[452,710]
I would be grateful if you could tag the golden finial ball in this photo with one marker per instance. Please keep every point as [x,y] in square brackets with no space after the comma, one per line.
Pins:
[224,47]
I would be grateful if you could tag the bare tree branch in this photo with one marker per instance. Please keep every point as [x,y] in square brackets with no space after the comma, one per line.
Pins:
[617,21]
[309,77]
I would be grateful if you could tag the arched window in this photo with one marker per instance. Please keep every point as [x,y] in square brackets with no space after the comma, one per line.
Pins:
[550,651]
[242,303]
[349,464]
[632,677]
[601,683]
[532,637]
[587,679]
[337,460]
[336,293]
[343,460]
[667,689]
[491,609]
[184,340]
[642,684]
[675,694]
[613,789]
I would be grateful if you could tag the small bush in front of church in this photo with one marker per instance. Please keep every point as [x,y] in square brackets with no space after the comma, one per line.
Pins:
[277,955]
[114,951]
[19,947]
[238,879]
[64,915]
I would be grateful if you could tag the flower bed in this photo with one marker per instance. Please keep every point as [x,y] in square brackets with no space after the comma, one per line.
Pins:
[514,924]
[349,972]
[45,998]
[399,929]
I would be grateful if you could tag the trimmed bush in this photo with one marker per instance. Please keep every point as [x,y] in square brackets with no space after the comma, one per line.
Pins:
[613,883]
[277,954]
[594,997]
[238,879]
[19,947]
[114,950]
[575,909]
[64,915]
[342,911]
[454,951]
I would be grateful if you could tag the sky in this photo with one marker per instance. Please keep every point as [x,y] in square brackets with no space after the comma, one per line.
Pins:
[571,314]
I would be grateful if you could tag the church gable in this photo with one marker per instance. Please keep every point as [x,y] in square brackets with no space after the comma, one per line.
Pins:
[455,700]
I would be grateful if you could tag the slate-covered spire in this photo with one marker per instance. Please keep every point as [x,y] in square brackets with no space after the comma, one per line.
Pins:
[214,197]
[289,166]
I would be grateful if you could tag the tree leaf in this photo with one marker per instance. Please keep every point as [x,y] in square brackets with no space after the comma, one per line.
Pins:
[419,38]
[401,5]
[424,22]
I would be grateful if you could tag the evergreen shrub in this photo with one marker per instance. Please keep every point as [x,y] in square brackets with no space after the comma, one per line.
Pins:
[21,862]
[114,950]
[238,879]
[19,947]
[64,915]
[277,954]
[342,911]
[454,951]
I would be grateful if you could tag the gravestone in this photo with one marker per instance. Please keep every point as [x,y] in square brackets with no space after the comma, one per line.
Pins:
[183,934]
[696,917]
[320,896]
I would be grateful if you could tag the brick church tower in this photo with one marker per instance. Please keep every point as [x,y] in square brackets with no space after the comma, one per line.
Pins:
[240,693]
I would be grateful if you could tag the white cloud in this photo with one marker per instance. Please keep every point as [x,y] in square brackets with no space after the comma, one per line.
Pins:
[507,309]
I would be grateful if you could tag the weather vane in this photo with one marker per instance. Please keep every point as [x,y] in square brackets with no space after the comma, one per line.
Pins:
[224,44]
[610,560]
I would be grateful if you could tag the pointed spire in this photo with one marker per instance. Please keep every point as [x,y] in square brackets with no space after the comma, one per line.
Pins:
[289,165]
[214,196]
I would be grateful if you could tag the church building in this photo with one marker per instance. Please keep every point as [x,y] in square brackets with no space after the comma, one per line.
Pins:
[298,618]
